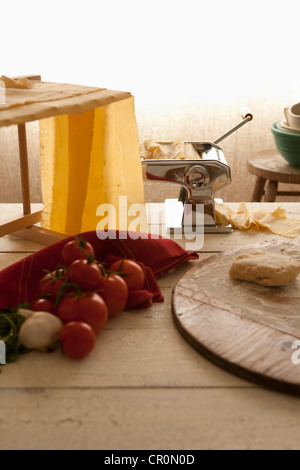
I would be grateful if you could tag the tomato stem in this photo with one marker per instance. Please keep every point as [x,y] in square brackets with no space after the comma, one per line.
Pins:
[81,243]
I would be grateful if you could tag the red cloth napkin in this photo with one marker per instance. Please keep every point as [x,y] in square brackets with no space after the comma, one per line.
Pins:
[19,282]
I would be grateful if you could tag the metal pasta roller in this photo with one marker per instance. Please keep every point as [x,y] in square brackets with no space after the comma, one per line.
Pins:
[199,179]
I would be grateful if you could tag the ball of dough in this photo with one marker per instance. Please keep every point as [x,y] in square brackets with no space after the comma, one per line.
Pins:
[265,268]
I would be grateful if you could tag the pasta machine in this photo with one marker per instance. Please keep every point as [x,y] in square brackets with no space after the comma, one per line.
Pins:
[199,180]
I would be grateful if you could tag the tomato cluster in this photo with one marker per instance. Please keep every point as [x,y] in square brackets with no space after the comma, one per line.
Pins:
[84,293]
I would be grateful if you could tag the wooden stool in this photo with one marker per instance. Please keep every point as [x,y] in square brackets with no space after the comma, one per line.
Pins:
[272,168]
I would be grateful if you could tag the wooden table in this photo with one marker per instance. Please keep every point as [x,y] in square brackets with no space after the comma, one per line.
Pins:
[143,387]
[270,169]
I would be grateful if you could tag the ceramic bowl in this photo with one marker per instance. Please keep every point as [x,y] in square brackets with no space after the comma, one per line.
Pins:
[284,125]
[287,143]
[292,115]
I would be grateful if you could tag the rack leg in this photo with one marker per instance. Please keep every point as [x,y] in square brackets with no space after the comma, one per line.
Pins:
[24,169]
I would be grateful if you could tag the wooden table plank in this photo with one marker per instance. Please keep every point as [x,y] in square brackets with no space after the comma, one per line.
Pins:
[13,244]
[96,418]
[126,355]
[143,387]
[212,242]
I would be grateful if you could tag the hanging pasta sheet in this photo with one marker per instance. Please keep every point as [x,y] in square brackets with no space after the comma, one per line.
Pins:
[89,152]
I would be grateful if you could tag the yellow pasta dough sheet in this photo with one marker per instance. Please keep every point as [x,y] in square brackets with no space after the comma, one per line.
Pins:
[243,219]
[176,150]
[89,152]
[88,160]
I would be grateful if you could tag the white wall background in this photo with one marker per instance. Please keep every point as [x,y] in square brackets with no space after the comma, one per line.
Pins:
[190,64]
[166,52]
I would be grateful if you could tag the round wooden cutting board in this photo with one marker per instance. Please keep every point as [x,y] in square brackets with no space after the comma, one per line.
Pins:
[245,328]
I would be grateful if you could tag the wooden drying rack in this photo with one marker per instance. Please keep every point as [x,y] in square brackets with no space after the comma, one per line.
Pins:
[24,225]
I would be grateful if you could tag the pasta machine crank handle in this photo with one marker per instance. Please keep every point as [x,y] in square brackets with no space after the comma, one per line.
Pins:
[246,116]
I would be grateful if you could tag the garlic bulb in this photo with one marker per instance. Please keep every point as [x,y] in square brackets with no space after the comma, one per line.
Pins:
[25,312]
[40,330]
